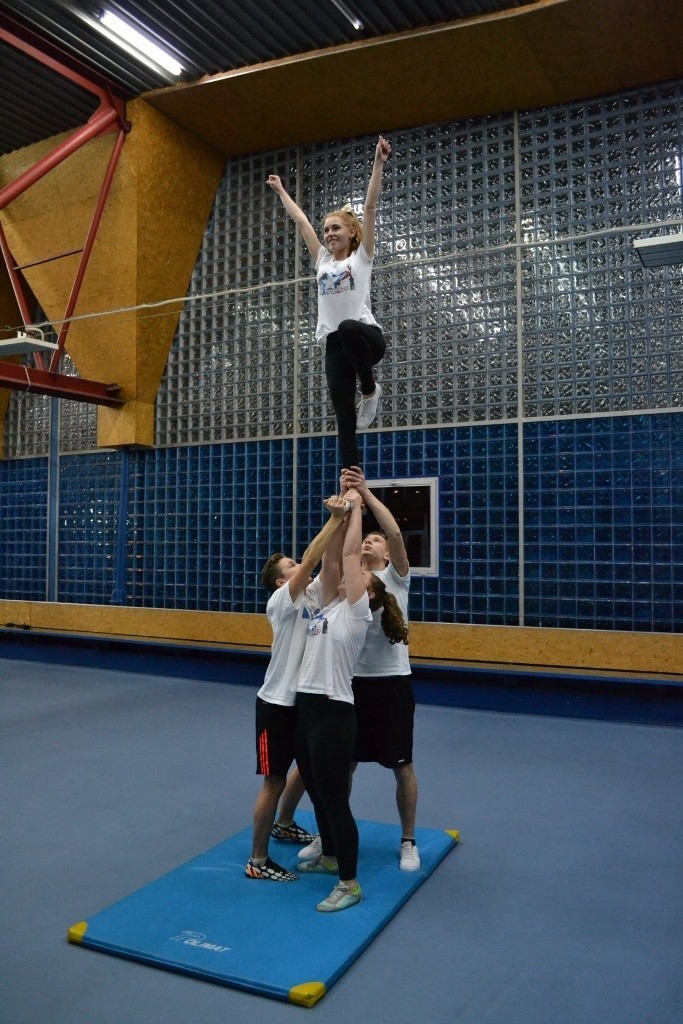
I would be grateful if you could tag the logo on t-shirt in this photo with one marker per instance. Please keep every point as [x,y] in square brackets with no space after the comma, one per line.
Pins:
[333,282]
[317,626]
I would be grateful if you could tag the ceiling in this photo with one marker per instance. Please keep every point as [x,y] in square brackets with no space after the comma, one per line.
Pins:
[206,36]
[261,74]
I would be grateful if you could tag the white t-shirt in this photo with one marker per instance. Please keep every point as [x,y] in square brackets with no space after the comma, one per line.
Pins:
[379,656]
[343,290]
[288,620]
[334,639]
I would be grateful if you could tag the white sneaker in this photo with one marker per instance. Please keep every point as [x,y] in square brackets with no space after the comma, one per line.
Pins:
[340,898]
[410,857]
[312,851]
[367,410]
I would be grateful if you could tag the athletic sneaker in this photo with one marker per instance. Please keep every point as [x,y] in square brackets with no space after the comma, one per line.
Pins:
[410,857]
[341,897]
[318,867]
[312,851]
[270,870]
[367,410]
[291,833]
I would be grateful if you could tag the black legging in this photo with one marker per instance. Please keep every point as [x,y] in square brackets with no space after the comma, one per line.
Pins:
[352,350]
[325,737]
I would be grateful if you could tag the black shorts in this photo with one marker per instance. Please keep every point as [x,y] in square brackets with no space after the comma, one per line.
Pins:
[275,732]
[385,712]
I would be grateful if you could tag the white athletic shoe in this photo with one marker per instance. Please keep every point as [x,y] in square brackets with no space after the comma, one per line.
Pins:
[341,898]
[367,410]
[410,857]
[312,851]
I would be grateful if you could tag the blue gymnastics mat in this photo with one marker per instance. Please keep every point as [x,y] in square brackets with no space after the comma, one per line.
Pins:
[206,919]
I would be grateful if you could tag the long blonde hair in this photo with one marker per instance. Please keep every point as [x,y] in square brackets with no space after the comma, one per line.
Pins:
[348,215]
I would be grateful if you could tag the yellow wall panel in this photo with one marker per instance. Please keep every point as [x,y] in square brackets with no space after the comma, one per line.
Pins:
[649,654]
[159,623]
[563,648]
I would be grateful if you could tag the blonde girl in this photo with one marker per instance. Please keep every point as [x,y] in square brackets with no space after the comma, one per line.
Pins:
[354,342]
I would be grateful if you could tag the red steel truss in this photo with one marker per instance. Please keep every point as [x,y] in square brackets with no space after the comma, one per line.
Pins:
[109,117]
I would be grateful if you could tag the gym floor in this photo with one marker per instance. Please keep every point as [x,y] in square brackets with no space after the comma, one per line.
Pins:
[562,904]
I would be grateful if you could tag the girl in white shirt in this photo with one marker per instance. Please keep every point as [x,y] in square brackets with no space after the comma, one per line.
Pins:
[354,342]
[326,721]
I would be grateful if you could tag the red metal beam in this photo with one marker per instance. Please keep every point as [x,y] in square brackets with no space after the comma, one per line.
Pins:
[48,259]
[111,109]
[23,38]
[58,385]
[20,289]
[16,281]
[87,248]
[109,116]
[103,120]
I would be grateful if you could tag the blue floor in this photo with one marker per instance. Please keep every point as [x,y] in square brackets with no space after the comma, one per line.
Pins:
[562,902]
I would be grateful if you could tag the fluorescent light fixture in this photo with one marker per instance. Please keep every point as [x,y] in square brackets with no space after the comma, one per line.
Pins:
[349,15]
[138,45]
[660,252]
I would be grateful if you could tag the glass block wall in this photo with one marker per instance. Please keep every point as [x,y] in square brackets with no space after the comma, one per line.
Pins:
[202,519]
[533,365]
[603,526]
[89,492]
[24,529]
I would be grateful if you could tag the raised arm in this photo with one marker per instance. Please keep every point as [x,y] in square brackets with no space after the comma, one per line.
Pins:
[298,216]
[298,581]
[331,568]
[353,573]
[354,477]
[382,154]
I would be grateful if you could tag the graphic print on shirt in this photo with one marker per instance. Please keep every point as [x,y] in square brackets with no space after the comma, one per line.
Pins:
[317,625]
[333,282]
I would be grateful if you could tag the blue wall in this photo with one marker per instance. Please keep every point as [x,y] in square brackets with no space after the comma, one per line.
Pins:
[602,538]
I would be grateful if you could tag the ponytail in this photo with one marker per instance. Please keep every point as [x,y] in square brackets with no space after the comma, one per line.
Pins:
[393,624]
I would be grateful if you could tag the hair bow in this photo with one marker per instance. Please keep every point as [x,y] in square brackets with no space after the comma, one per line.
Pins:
[347,209]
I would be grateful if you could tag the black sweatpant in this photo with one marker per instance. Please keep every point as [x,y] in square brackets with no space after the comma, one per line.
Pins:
[351,351]
[325,737]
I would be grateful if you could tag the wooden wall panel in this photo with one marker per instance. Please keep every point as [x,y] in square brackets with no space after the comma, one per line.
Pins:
[650,654]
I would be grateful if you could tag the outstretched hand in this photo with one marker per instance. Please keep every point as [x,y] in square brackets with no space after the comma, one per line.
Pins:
[336,505]
[352,497]
[355,478]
